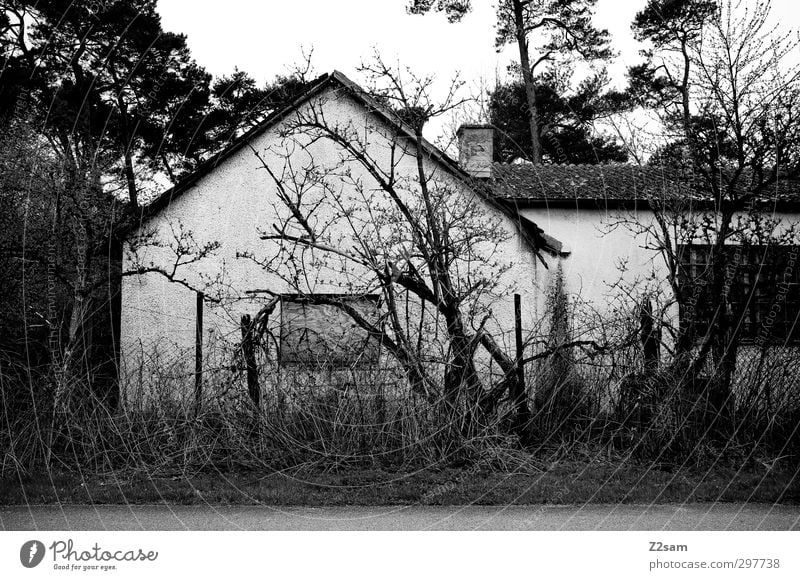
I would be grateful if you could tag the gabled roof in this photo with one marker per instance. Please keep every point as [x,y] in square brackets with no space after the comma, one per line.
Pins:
[315,88]
[612,184]
[535,235]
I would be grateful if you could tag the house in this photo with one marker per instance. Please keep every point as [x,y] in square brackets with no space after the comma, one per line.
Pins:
[631,228]
[204,259]
[611,209]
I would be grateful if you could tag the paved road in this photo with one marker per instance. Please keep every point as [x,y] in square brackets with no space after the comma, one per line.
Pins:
[595,517]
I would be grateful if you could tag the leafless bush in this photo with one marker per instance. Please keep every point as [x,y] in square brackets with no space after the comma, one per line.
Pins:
[337,418]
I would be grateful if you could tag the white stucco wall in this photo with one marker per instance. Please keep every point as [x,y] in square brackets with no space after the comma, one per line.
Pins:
[601,255]
[611,261]
[229,205]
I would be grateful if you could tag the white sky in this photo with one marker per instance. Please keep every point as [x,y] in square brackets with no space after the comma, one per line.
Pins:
[266,37]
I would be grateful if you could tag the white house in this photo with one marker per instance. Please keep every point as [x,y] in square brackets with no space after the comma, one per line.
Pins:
[216,232]
[208,233]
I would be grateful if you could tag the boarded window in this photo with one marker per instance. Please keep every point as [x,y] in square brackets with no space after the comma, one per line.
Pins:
[325,335]
[764,290]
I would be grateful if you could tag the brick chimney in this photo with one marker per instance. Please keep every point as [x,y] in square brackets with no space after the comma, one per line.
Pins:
[475,150]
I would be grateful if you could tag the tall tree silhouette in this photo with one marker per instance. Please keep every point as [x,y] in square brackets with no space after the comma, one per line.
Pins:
[544,31]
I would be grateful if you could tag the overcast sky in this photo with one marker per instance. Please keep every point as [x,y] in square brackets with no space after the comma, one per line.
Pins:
[265,37]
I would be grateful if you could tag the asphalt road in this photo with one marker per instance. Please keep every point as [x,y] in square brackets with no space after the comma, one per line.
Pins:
[214,517]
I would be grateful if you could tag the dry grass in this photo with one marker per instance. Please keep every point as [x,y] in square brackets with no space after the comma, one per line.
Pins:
[362,441]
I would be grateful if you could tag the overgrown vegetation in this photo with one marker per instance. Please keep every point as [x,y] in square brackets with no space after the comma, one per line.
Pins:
[611,402]
[315,430]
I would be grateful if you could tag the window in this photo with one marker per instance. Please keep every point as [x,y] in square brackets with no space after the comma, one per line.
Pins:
[314,334]
[764,288]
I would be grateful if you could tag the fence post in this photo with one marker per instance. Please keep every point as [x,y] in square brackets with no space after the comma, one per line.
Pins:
[518,338]
[518,397]
[198,354]
[248,353]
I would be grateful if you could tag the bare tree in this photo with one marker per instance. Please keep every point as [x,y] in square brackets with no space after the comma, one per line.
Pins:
[382,218]
[174,256]
[720,75]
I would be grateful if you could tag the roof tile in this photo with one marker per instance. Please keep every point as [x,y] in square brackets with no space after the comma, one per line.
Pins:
[613,181]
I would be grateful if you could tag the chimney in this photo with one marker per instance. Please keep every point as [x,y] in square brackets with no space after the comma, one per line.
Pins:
[475,150]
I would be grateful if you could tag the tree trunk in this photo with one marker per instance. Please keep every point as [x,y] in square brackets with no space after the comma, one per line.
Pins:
[127,148]
[720,343]
[720,401]
[168,167]
[522,413]
[72,369]
[527,77]
[461,382]
[649,337]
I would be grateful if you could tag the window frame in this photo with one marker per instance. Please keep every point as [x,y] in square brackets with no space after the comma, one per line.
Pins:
[766,290]
[335,363]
